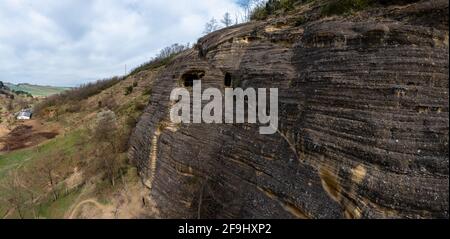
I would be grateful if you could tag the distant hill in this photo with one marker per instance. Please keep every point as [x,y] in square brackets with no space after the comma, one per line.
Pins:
[36,90]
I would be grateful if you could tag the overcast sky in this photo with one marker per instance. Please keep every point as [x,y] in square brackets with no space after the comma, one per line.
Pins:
[69,42]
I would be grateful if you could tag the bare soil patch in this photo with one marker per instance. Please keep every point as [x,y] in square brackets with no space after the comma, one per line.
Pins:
[27,134]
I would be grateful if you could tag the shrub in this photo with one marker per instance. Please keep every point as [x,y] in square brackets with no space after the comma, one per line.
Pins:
[262,11]
[111,142]
[300,21]
[343,7]
[128,90]
[87,90]
[106,127]
[131,121]
[259,13]
[163,58]
[77,94]
[152,64]
[21,92]
[111,103]
[148,91]
[139,106]
[74,107]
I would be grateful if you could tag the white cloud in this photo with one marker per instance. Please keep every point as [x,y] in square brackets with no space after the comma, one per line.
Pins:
[74,41]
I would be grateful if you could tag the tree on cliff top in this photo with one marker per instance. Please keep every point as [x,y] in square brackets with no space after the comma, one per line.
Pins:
[211,26]
[226,20]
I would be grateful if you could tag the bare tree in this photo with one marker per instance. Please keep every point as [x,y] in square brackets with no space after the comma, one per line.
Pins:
[109,162]
[10,105]
[237,17]
[211,26]
[226,20]
[22,103]
[172,50]
[15,194]
[246,5]
[106,133]
[105,128]
[46,169]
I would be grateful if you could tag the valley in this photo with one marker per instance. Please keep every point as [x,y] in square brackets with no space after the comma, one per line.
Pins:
[47,164]
[362,124]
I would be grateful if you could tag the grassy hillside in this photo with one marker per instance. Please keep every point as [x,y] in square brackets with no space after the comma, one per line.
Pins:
[81,172]
[37,90]
[10,104]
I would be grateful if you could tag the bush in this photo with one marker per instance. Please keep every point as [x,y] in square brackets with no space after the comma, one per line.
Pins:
[300,21]
[148,91]
[110,103]
[110,138]
[163,58]
[262,11]
[87,90]
[77,94]
[74,107]
[21,92]
[259,13]
[139,106]
[343,7]
[106,128]
[128,90]
[131,121]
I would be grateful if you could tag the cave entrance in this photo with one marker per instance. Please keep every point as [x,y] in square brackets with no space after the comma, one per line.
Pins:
[189,77]
[227,80]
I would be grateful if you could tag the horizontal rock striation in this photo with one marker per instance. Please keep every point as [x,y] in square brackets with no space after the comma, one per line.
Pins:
[363,128]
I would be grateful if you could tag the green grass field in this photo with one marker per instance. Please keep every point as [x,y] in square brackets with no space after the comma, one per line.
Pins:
[16,159]
[68,145]
[37,90]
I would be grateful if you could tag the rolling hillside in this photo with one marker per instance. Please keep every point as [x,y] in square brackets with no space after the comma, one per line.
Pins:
[37,90]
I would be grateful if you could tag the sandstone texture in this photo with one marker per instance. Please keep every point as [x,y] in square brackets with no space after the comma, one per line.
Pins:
[364,124]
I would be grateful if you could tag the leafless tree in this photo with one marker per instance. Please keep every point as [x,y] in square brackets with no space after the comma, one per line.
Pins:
[47,171]
[226,20]
[15,194]
[10,105]
[246,5]
[172,50]
[106,128]
[211,26]
[108,136]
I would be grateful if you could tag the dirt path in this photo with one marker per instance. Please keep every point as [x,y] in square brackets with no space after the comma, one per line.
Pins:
[3,131]
[132,201]
[8,213]
[88,201]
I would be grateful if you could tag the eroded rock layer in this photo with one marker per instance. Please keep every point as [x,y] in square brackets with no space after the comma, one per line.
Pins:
[363,127]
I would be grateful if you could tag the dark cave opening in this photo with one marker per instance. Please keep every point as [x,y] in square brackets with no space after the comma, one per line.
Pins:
[188,78]
[227,80]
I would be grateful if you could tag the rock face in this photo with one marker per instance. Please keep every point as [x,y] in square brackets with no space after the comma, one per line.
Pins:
[4,91]
[364,124]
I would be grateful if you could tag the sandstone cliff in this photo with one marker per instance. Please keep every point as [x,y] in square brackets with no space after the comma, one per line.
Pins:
[363,119]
